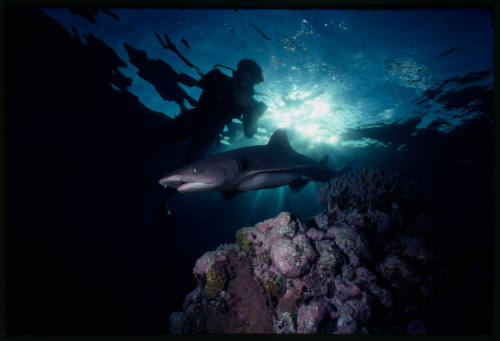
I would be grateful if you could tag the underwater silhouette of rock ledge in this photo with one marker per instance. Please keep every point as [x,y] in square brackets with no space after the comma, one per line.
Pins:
[364,265]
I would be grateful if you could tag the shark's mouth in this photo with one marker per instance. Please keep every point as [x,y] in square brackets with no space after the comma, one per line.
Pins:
[184,186]
[170,182]
[192,186]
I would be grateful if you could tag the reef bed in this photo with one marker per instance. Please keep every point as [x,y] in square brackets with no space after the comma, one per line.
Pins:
[366,264]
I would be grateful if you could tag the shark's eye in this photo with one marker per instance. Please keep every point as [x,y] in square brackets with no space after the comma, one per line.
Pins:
[196,170]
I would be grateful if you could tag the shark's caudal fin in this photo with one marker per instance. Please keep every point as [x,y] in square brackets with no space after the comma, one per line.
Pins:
[324,159]
[279,139]
[346,169]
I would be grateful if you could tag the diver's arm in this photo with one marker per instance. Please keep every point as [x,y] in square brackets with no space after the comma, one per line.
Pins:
[251,118]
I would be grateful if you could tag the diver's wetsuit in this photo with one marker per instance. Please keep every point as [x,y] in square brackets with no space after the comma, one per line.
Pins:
[223,99]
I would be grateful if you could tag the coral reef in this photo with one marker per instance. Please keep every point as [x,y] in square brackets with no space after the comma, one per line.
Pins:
[364,265]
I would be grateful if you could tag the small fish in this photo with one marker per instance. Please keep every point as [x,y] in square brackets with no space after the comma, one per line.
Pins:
[183,41]
[257,29]
[449,51]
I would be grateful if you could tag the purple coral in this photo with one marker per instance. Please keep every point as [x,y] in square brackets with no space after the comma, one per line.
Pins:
[310,316]
[293,257]
[363,265]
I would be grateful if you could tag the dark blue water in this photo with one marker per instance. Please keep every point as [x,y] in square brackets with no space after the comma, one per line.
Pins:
[408,91]
[347,54]
[369,68]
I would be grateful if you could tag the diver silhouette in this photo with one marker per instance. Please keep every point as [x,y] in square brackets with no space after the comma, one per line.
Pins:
[223,98]
[162,76]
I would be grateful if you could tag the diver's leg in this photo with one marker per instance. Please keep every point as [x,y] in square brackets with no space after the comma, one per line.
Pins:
[187,80]
[191,100]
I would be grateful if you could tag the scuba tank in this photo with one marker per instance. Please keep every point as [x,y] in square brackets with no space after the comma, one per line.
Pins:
[223,66]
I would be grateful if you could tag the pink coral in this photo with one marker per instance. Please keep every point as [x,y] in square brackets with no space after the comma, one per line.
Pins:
[205,262]
[310,316]
[315,234]
[349,272]
[292,257]
[264,235]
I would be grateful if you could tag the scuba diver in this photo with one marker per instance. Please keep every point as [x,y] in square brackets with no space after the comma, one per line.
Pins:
[223,98]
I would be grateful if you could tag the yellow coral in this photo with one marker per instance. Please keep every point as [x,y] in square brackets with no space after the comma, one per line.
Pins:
[274,287]
[271,287]
[264,257]
[214,284]
[243,241]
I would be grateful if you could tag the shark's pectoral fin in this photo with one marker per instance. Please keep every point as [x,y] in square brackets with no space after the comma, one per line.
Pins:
[297,186]
[229,194]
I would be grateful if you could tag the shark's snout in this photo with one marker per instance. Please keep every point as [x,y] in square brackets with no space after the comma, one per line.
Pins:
[171,181]
[185,184]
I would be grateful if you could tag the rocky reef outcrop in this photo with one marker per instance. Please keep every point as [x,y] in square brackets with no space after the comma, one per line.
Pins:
[364,265]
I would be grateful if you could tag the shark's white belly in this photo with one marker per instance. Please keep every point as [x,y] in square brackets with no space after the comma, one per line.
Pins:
[267,180]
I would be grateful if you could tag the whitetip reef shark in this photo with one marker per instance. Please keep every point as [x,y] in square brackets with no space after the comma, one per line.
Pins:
[251,168]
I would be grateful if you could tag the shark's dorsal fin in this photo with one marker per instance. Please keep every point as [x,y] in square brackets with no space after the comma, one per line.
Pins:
[324,159]
[280,139]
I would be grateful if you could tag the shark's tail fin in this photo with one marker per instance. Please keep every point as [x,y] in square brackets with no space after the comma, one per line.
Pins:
[347,168]
[324,159]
